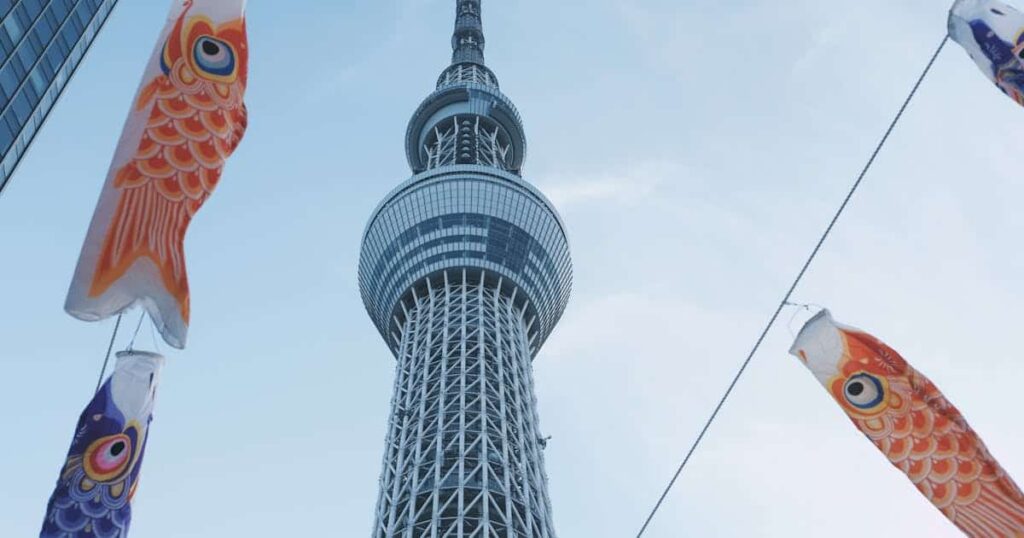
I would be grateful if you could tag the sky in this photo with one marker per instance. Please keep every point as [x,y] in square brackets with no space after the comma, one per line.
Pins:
[695,149]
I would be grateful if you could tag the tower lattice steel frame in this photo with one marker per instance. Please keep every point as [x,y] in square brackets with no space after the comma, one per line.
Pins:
[465,270]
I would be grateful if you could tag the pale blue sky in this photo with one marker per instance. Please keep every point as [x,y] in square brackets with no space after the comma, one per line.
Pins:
[695,149]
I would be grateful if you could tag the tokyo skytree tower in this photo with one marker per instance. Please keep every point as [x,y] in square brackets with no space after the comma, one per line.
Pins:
[465,270]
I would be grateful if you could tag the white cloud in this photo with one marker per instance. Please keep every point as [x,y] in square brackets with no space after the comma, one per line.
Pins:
[629,185]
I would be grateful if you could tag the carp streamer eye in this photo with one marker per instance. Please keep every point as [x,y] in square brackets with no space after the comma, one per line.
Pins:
[864,392]
[108,458]
[214,56]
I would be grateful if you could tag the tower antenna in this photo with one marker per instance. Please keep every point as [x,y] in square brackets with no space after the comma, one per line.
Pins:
[468,39]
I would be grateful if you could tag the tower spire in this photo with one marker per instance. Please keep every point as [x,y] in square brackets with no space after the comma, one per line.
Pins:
[468,39]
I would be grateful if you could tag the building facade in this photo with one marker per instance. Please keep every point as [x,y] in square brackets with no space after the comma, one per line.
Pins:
[42,42]
[465,270]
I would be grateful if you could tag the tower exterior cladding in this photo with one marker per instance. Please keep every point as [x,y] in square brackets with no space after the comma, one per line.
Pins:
[465,270]
[42,43]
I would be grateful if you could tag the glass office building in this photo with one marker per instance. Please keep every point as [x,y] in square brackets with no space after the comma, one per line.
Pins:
[465,270]
[42,43]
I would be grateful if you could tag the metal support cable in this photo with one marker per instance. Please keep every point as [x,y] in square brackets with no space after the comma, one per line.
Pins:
[138,327]
[796,282]
[110,349]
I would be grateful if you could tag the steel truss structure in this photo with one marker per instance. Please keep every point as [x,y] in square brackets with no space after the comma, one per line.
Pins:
[463,455]
[467,74]
[468,140]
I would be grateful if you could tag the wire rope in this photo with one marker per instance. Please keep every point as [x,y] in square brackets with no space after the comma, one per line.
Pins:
[110,349]
[793,286]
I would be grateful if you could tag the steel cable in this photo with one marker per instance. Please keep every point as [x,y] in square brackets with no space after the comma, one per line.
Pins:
[796,282]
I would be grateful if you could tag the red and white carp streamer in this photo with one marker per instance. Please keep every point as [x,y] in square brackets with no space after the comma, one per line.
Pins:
[188,118]
[912,423]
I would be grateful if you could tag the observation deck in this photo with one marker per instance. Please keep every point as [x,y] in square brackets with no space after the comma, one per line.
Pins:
[466,212]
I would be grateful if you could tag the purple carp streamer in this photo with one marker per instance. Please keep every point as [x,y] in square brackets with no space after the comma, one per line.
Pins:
[94,492]
[992,33]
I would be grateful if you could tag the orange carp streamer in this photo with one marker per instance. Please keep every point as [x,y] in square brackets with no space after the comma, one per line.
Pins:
[189,117]
[912,423]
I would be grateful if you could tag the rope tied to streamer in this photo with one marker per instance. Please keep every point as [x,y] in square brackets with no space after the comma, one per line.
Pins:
[110,349]
[796,282]
[135,335]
